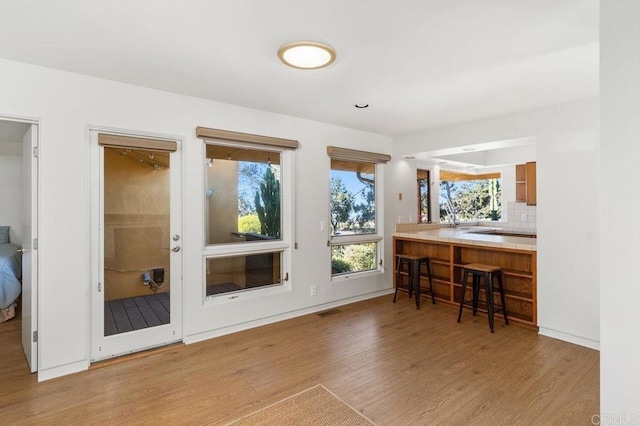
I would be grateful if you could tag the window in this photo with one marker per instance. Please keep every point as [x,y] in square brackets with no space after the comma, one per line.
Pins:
[354,214]
[247,211]
[424,196]
[469,197]
[357,257]
[243,194]
[233,273]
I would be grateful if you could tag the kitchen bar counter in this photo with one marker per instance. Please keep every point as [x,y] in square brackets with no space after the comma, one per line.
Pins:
[474,235]
[451,248]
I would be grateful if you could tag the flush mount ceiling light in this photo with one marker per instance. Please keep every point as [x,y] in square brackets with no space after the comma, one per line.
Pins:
[307,55]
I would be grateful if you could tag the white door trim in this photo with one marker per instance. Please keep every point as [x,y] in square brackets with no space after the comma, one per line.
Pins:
[35,310]
[96,208]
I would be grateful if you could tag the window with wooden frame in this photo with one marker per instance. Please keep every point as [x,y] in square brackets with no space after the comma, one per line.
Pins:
[466,197]
[423,188]
[355,216]
[248,210]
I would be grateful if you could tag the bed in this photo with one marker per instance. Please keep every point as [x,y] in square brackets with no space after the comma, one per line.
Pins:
[10,270]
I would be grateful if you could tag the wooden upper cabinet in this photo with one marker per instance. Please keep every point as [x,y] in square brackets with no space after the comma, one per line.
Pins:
[531,184]
[521,182]
[526,183]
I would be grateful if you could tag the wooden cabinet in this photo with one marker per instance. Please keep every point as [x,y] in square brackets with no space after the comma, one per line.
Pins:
[521,183]
[448,260]
[526,183]
[531,183]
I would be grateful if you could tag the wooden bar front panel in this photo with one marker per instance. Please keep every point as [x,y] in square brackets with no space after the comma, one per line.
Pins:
[447,263]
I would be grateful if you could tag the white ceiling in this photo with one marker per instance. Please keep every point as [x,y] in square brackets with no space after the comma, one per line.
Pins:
[474,158]
[418,63]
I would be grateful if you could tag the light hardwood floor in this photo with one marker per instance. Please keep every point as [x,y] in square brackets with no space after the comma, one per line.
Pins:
[398,366]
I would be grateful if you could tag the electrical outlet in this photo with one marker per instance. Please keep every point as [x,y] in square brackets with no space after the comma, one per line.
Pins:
[314,290]
[323,225]
[523,217]
[158,275]
[146,277]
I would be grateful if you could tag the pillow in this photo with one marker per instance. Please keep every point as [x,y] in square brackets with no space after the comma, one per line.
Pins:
[4,235]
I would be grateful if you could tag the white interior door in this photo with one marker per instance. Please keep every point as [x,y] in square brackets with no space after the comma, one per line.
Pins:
[137,257]
[30,252]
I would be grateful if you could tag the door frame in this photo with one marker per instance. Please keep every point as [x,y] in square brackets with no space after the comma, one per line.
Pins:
[95,211]
[35,310]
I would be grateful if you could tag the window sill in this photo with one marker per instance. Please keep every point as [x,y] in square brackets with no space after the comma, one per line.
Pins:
[236,296]
[356,275]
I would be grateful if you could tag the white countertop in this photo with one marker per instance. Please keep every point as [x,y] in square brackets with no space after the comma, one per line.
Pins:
[462,235]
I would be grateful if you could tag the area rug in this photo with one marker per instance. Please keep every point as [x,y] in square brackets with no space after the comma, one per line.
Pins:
[313,407]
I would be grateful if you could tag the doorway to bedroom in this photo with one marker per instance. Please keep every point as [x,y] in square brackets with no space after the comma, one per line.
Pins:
[18,230]
[137,244]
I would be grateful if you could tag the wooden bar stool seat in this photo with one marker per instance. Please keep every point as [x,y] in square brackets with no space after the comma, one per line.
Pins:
[413,263]
[480,271]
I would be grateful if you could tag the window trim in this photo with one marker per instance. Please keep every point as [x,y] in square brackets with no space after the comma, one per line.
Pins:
[429,195]
[377,237]
[283,286]
[111,140]
[235,137]
[347,154]
[337,240]
[285,161]
[455,177]
[283,245]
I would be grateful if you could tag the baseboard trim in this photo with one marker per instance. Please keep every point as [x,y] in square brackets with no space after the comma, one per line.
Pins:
[63,370]
[199,337]
[571,338]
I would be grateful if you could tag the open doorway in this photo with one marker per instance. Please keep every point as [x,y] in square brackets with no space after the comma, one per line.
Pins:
[18,230]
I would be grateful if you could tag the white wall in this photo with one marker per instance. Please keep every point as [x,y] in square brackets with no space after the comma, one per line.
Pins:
[66,104]
[567,153]
[401,179]
[11,189]
[620,230]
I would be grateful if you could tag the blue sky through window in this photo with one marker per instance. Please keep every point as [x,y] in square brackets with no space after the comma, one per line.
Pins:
[353,185]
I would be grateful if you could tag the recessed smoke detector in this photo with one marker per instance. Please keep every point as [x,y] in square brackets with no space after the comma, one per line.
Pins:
[361,106]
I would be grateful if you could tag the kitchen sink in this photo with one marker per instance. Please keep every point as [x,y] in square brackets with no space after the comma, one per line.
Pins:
[503,233]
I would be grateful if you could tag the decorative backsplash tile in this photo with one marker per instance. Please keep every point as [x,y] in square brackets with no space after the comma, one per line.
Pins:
[520,216]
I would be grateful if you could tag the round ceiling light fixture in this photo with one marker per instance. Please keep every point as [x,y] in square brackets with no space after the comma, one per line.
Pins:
[307,55]
[361,106]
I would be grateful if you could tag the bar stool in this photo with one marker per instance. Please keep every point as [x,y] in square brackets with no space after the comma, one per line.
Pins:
[413,266]
[486,272]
